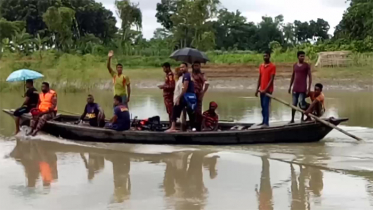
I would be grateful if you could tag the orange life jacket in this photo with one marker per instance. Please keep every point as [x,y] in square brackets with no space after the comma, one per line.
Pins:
[46,100]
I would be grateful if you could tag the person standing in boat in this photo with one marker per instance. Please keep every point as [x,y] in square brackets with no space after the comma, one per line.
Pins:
[317,106]
[31,100]
[201,86]
[47,109]
[122,84]
[183,99]
[94,113]
[121,120]
[168,89]
[301,71]
[267,72]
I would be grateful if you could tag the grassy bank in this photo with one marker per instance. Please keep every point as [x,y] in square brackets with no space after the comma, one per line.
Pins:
[81,72]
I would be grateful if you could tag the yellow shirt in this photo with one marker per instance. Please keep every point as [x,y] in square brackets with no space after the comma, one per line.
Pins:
[120,84]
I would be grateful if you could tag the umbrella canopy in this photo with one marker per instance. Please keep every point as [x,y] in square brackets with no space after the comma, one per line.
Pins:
[23,75]
[189,55]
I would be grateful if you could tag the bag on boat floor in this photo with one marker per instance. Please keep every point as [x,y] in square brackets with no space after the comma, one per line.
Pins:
[152,124]
[191,100]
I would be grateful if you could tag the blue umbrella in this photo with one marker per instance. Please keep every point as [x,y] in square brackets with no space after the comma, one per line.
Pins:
[23,75]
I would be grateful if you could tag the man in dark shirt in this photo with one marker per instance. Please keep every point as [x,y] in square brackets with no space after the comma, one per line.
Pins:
[121,120]
[181,103]
[301,71]
[94,113]
[201,86]
[31,101]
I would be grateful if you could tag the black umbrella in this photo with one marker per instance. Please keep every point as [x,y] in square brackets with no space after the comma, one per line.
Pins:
[189,55]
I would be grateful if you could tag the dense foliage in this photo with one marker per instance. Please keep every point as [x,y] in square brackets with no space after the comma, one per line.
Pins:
[85,26]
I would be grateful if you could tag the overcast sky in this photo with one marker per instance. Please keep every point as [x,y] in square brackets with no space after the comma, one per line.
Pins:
[253,10]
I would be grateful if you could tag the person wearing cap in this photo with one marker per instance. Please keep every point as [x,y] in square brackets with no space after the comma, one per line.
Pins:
[210,121]
[168,89]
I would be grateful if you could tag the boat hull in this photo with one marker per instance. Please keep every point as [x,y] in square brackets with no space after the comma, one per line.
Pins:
[294,133]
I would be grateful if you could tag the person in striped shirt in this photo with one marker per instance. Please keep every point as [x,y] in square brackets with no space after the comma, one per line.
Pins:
[210,120]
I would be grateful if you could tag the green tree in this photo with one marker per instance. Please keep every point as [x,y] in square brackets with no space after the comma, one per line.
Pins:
[165,10]
[131,16]
[60,21]
[357,21]
[269,30]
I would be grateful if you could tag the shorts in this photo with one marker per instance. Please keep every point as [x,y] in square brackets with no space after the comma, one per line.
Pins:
[301,98]
[22,110]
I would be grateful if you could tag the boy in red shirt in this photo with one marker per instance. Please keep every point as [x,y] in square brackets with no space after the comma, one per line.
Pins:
[267,72]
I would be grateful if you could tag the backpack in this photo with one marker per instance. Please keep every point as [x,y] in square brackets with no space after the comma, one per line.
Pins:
[191,100]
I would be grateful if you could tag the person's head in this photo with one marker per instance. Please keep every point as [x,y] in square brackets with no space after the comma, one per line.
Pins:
[117,100]
[29,83]
[267,56]
[318,89]
[213,106]
[119,68]
[45,87]
[90,99]
[166,67]
[178,73]
[184,67]
[196,66]
[301,56]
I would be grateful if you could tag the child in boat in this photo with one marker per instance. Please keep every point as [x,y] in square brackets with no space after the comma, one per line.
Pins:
[317,106]
[210,120]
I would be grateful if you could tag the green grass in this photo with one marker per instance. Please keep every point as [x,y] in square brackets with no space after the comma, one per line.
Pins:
[83,72]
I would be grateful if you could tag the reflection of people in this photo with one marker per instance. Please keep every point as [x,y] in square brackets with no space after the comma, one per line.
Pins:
[37,162]
[31,101]
[122,181]
[265,191]
[186,181]
[94,113]
[121,119]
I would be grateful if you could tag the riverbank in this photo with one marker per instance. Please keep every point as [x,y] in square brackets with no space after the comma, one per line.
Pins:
[74,73]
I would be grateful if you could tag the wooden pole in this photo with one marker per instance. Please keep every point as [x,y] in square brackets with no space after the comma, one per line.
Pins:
[314,117]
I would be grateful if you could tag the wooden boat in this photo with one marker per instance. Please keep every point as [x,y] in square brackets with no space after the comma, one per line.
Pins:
[64,127]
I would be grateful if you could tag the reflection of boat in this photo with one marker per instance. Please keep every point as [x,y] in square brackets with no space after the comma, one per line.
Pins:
[296,133]
[183,178]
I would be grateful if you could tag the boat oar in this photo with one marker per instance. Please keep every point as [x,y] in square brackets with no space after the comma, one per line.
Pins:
[314,117]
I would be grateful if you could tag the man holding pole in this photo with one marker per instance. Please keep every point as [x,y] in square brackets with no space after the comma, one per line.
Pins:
[267,72]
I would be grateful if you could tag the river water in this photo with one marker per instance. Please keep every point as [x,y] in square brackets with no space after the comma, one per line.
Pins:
[50,173]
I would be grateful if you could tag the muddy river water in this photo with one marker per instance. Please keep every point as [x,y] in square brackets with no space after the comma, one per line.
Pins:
[50,173]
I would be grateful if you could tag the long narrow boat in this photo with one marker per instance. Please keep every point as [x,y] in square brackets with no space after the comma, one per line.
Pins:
[64,127]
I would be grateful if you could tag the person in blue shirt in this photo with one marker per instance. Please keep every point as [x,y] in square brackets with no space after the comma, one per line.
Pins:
[121,120]
[94,113]
[181,103]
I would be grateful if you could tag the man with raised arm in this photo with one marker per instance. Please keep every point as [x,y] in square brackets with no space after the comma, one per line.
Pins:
[122,84]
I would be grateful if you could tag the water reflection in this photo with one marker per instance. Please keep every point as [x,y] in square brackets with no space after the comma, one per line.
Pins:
[183,186]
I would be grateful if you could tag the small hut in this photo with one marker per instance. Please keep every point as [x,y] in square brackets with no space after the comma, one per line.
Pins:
[333,59]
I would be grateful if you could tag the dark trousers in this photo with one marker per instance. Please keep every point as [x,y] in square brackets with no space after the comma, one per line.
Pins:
[265,102]
[176,112]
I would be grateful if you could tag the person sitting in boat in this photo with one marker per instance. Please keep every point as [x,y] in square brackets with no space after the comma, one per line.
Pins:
[317,106]
[94,113]
[121,120]
[46,109]
[186,99]
[210,121]
[31,100]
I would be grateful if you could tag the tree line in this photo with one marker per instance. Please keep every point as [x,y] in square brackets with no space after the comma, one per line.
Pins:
[86,26]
